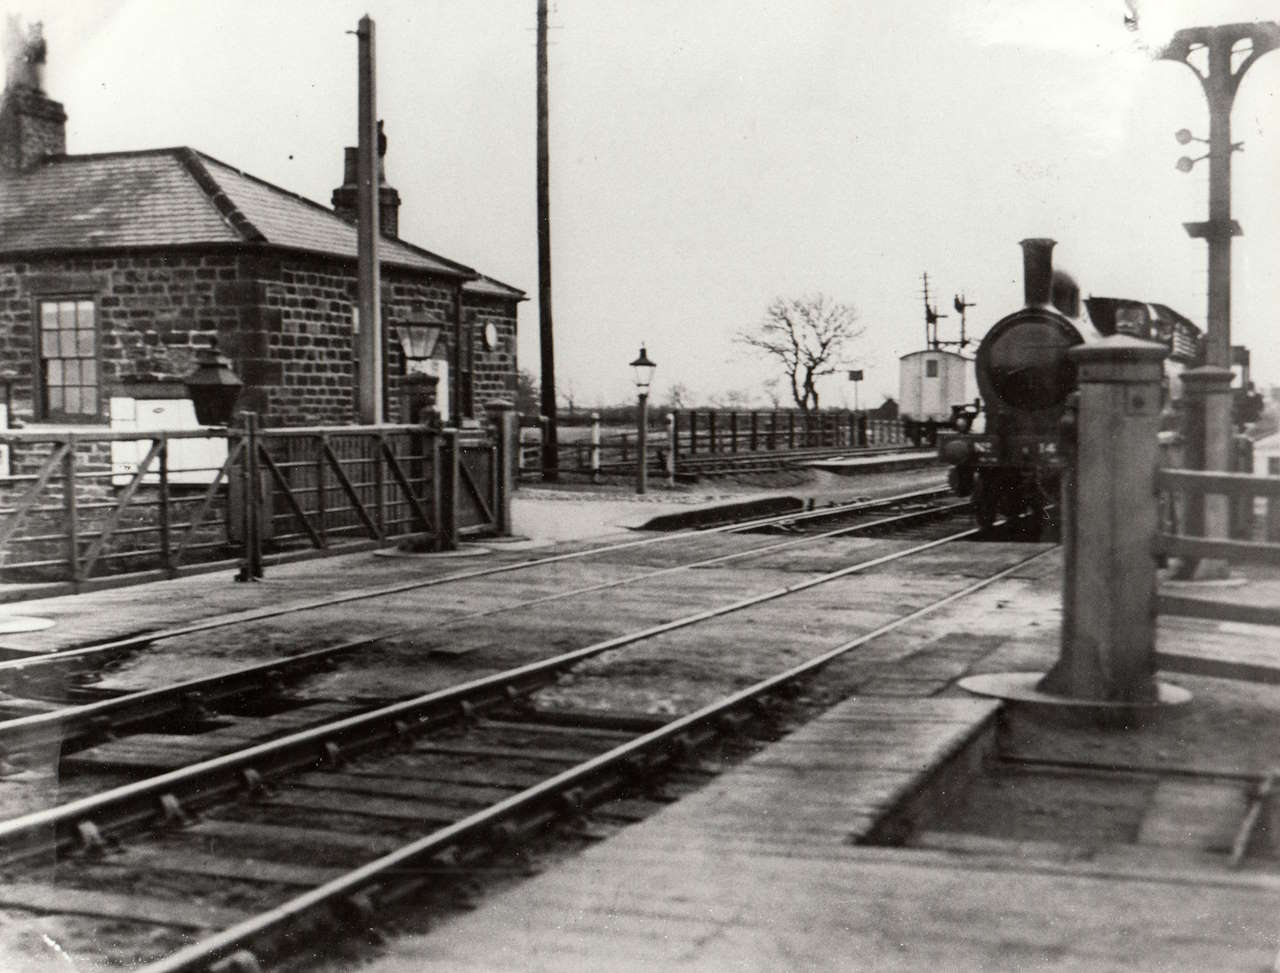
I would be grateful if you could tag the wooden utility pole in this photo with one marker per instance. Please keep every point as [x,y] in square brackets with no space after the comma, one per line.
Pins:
[370,338]
[550,447]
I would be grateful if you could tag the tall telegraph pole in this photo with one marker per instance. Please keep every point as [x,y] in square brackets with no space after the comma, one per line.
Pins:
[370,339]
[550,448]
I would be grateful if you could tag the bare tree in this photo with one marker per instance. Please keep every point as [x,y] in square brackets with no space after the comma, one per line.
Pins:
[771,393]
[808,337]
[733,399]
[527,393]
[679,397]
[569,393]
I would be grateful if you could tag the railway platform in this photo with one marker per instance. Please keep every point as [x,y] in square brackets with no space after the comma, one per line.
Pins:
[915,827]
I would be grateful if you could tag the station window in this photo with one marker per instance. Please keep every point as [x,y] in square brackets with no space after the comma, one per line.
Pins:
[67,359]
[931,368]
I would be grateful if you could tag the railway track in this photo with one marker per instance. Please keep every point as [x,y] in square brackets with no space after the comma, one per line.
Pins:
[194,702]
[364,810]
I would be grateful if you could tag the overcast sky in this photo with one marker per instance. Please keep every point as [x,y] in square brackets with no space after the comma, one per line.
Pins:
[707,157]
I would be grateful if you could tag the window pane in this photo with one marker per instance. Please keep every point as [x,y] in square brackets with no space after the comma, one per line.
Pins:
[89,401]
[48,315]
[71,398]
[67,344]
[89,372]
[71,372]
[53,372]
[84,314]
[66,314]
[49,343]
[55,399]
[84,343]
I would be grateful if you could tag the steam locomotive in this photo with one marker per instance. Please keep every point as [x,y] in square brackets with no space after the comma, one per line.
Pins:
[1013,466]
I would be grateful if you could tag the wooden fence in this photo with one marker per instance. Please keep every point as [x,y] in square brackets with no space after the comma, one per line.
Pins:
[701,434]
[84,517]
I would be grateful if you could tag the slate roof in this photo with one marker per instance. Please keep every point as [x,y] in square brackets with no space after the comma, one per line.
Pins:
[181,197]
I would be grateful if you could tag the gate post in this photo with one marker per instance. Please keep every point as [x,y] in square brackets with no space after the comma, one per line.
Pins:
[1107,656]
[251,567]
[1208,392]
[445,490]
[506,432]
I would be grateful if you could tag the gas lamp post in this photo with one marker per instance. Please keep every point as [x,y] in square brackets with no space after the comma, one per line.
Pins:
[643,369]
[1219,57]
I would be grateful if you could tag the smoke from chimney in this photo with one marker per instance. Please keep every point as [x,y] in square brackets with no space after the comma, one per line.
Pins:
[24,54]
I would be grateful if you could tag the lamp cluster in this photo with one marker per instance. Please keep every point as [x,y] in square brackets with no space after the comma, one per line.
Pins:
[1184,137]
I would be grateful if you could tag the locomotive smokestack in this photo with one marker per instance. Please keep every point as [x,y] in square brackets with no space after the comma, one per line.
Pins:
[1037,270]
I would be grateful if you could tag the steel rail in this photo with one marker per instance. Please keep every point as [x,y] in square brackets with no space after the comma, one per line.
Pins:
[200,955]
[253,615]
[718,559]
[209,779]
[75,722]
[88,719]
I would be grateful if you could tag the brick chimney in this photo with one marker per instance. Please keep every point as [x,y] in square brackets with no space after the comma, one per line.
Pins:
[344,197]
[32,125]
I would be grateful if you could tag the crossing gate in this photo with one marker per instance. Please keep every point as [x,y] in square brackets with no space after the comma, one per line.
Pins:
[77,516]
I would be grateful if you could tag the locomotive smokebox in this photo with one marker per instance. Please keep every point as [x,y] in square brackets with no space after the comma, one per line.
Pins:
[1037,270]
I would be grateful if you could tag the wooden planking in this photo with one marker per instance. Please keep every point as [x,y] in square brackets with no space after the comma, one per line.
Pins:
[284,839]
[896,911]
[1202,815]
[394,786]
[183,913]
[173,858]
[420,812]
[755,872]
[164,751]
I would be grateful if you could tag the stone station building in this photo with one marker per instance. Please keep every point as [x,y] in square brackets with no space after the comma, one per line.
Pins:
[117,268]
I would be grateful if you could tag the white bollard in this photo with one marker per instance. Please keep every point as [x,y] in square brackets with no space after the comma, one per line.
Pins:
[595,447]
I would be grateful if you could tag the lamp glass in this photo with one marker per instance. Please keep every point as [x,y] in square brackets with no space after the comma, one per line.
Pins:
[644,369]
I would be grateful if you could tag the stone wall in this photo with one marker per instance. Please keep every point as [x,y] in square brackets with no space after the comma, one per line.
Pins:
[284,319]
[152,312]
[32,126]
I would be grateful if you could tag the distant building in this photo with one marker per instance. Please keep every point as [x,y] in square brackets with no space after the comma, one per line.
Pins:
[930,382]
[116,268]
[888,409]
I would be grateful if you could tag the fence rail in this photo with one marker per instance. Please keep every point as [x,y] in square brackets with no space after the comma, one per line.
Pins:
[1255,534]
[92,506]
[684,440]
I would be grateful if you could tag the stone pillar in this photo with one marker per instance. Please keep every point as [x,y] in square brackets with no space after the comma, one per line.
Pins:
[506,431]
[1208,394]
[1109,583]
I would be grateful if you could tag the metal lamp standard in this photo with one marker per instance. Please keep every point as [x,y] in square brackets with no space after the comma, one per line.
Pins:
[644,369]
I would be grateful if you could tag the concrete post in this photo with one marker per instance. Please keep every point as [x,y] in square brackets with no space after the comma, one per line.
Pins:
[1109,586]
[506,432]
[595,447]
[672,446]
[1208,393]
